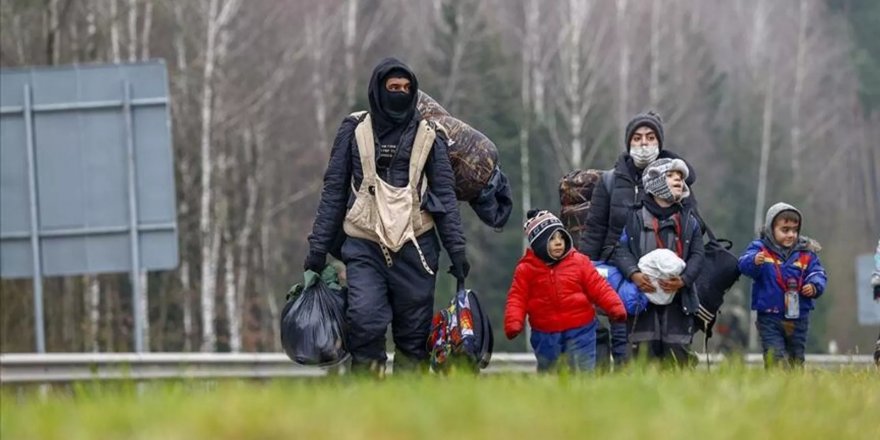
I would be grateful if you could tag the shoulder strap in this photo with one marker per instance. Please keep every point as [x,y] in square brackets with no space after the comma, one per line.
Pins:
[608,180]
[421,148]
[366,144]
[359,115]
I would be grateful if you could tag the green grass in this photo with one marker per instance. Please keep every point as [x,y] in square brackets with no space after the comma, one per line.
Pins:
[733,404]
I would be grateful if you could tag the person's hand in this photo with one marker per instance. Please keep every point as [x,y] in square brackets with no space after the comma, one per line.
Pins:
[760,258]
[460,266]
[643,282]
[513,330]
[617,314]
[672,284]
[808,290]
[315,262]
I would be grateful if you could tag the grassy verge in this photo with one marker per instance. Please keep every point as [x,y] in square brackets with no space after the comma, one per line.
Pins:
[731,404]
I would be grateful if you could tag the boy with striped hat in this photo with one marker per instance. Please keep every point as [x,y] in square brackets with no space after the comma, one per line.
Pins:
[556,287]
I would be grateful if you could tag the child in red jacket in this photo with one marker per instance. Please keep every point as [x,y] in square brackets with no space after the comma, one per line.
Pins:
[556,286]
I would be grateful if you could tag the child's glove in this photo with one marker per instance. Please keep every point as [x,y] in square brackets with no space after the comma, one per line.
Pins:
[513,330]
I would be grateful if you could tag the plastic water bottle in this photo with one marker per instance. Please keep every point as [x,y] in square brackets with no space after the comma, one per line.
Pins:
[792,300]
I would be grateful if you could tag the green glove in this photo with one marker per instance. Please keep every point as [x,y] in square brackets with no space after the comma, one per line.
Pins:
[310,277]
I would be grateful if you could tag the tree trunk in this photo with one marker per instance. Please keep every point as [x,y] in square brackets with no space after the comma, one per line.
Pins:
[528,55]
[654,91]
[145,32]
[114,31]
[765,154]
[314,41]
[231,297]
[92,299]
[350,35]
[206,228]
[533,17]
[252,152]
[623,72]
[144,305]
[75,54]
[52,34]
[186,293]
[91,32]
[162,320]
[800,71]
[578,16]
[271,303]
[68,311]
[132,30]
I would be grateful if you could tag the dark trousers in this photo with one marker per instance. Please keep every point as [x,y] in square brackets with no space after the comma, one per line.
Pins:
[401,295]
[783,341]
[612,343]
[675,355]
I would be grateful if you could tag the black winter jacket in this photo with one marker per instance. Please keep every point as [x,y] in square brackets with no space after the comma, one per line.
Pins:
[344,169]
[628,252]
[608,214]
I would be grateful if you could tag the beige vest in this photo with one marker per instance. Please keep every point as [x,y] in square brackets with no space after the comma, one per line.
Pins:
[383,213]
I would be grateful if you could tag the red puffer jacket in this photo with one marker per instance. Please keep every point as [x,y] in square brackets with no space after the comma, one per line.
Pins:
[558,297]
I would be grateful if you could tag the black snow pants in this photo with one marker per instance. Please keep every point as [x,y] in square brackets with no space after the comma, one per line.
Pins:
[401,295]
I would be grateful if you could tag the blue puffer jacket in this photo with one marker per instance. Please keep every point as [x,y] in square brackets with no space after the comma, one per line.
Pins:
[802,264]
[634,300]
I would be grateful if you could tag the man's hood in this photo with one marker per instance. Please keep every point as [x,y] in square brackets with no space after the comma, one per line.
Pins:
[382,121]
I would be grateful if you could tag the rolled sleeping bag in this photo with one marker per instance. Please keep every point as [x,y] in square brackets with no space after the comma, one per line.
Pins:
[577,186]
[473,155]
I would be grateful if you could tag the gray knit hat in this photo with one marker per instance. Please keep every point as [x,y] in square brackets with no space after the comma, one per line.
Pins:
[774,211]
[648,119]
[654,178]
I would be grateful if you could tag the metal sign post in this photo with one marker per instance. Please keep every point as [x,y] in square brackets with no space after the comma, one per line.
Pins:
[39,332]
[136,291]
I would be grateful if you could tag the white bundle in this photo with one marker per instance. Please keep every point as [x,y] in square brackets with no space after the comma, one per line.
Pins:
[661,264]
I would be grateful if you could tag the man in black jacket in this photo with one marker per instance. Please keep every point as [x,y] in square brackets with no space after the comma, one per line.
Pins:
[387,287]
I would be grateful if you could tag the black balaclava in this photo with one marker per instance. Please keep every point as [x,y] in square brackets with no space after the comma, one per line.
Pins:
[391,112]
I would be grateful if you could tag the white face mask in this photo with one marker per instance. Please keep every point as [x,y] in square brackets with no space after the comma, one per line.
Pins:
[643,155]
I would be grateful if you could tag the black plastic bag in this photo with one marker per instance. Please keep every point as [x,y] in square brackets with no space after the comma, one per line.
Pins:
[313,326]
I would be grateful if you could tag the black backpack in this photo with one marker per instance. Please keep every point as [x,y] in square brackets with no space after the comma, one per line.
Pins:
[720,272]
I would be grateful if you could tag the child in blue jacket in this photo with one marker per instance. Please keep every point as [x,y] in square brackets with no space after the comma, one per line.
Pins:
[788,277]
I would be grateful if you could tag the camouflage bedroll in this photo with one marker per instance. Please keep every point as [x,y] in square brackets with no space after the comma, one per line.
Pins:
[575,192]
[577,186]
[473,155]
